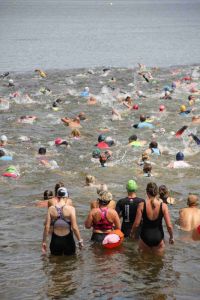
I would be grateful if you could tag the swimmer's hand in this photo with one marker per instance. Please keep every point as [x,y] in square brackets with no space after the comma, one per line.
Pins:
[80,244]
[171,241]
[44,247]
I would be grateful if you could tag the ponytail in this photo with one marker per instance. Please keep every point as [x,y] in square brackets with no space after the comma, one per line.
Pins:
[152,190]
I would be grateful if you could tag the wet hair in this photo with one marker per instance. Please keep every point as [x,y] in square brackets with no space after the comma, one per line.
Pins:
[192,200]
[89,179]
[48,195]
[57,186]
[142,118]
[145,156]
[147,168]
[153,144]
[132,138]
[42,150]
[75,133]
[2,153]
[191,97]
[152,190]
[163,192]
[55,104]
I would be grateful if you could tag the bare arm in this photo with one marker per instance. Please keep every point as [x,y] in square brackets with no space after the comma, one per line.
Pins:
[137,219]
[46,231]
[75,228]
[116,220]
[89,220]
[168,223]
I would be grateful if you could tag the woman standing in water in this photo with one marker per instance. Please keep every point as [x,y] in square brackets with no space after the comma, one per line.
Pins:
[152,212]
[62,218]
[102,219]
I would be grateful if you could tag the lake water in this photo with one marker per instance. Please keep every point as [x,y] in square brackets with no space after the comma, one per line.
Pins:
[74,34]
[61,35]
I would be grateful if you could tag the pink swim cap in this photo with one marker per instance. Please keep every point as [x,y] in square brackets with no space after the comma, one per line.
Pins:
[135,106]
[162,108]
[58,141]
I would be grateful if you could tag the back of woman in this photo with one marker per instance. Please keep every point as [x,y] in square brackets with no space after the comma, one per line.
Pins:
[152,230]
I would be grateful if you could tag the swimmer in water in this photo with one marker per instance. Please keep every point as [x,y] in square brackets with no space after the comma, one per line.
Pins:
[144,159]
[90,181]
[27,119]
[165,195]
[143,123]
[153,148]
[92,101]
[152,211]
[189,217]
[134,142]
[47,196]
[128,102]
[179,163]
[101,142]
[75,134]
[3,140]
[116,116]
[73,123]
[104,157]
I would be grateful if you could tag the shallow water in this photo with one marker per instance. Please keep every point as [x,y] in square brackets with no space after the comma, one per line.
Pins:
[94,272]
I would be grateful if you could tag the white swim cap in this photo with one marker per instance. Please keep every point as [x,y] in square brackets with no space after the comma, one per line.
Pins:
[62,192]
[86,89]
[4,138]
[10,81]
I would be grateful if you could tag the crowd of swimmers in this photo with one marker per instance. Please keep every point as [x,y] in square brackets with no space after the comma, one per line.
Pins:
[135,218]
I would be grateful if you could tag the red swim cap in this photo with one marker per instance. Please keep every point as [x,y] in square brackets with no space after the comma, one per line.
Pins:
[162,108]
[135,106]
[58,141]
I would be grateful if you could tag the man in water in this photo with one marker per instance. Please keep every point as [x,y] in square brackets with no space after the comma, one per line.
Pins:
[179,163]
[189,217]
[127,207]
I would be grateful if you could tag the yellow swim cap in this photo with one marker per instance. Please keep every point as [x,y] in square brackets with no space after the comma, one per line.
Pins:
[182,108]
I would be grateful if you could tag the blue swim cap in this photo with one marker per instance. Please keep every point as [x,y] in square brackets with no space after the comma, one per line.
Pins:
[101,138]
[167,88]
[180,156]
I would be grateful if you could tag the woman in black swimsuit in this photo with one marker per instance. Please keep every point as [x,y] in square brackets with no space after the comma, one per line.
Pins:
[152,213]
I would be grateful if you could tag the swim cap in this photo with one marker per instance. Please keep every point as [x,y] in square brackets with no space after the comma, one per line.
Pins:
[140,93]
[182,108]
[135,106]
[167,88]
[86,89]
[4,138]
[162,108]
[62,192]
[58,141]
[131,186]
[180,156]
[11,169]
[101,138]
[96,153]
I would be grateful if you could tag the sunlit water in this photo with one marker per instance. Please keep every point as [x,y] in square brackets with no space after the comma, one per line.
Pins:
[94,272]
